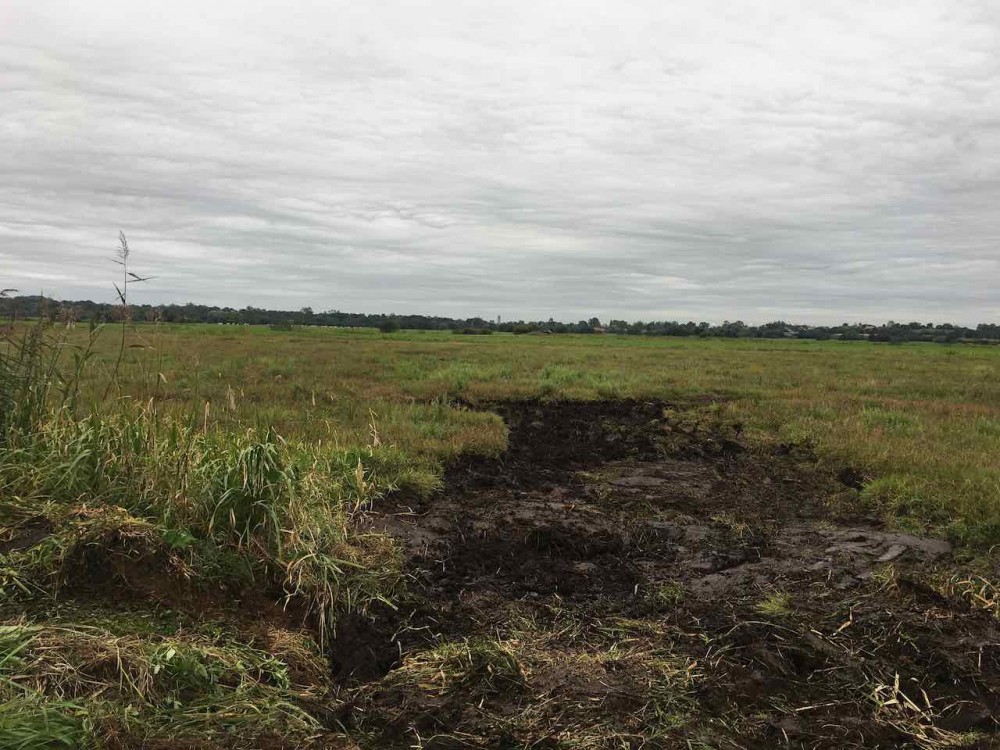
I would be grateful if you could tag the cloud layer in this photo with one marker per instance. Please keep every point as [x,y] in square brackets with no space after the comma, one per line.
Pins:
[702,160]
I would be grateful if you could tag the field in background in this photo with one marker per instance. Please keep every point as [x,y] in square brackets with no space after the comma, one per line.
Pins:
[919,423]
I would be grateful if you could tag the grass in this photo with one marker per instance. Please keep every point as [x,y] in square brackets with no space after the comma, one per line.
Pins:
[112,685]
[476,667]
[534,670]
[776,604]
[142,482]
[204,462]
[921,422]
[125,498]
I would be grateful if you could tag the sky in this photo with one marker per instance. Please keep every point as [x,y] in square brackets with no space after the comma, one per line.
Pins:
[640,159]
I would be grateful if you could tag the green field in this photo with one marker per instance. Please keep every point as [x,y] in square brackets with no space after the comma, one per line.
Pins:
[920,421]
[190,513]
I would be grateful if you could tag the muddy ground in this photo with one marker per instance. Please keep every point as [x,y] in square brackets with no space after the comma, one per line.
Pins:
[626,577]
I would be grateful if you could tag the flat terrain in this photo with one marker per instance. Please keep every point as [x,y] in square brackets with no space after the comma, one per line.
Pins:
[920,422]
[617,579]
[444,541]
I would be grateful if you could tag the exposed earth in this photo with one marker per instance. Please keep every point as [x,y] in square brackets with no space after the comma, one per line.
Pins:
[625,577]
[627,574]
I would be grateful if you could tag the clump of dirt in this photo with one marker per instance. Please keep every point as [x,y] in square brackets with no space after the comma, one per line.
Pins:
[365,648]
[657,582]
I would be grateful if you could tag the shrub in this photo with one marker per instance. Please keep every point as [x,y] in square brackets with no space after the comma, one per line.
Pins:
[388,325]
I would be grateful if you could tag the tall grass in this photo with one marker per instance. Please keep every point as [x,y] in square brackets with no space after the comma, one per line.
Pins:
[120,487]
[28,366]
[286,507]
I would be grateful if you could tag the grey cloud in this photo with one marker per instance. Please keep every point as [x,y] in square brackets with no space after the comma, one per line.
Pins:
[647,160]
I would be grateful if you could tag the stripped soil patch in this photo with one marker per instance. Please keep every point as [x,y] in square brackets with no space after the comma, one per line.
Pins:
[625,576]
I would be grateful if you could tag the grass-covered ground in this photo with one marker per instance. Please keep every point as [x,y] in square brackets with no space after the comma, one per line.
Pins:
[921,422]
[184,520]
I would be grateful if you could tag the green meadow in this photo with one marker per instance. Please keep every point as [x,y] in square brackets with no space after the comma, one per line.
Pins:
[183,508]
[919,422]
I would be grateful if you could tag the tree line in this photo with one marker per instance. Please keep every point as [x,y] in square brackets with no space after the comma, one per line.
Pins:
[97,312]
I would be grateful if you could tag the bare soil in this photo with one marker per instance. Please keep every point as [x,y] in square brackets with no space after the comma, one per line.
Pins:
[659,583]
[629,575]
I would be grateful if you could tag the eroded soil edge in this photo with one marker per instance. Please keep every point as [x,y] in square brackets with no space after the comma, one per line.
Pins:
[624,576]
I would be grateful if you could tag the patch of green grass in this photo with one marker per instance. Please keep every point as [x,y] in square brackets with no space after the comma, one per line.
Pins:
[889,421]
[665,596]
[140,483]
[33,722]
[776,604]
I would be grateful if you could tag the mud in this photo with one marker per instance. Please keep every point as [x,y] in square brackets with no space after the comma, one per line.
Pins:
[614,538]
[29,534]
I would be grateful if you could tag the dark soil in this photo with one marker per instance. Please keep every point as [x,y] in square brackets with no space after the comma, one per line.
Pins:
[30,533]
[659,583]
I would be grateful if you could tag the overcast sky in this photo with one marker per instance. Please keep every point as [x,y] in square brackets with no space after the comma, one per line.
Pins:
[641,159]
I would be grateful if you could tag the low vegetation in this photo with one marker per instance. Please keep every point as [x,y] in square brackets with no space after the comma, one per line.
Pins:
[117,500]
[917,426]
[186,519]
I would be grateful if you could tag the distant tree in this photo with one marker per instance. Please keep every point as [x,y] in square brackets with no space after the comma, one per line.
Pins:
[388,325]
[99,312]
[618,326]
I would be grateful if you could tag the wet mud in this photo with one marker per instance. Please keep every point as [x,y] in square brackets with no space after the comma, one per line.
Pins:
[657,582]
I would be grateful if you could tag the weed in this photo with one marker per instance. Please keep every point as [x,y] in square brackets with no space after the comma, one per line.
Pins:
[665,596]
[977,591]
[775,604]
[31,722]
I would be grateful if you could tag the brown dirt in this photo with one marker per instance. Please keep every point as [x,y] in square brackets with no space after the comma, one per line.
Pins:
[661,584]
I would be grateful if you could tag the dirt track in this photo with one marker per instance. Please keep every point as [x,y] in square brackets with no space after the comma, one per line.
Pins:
[658,584]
